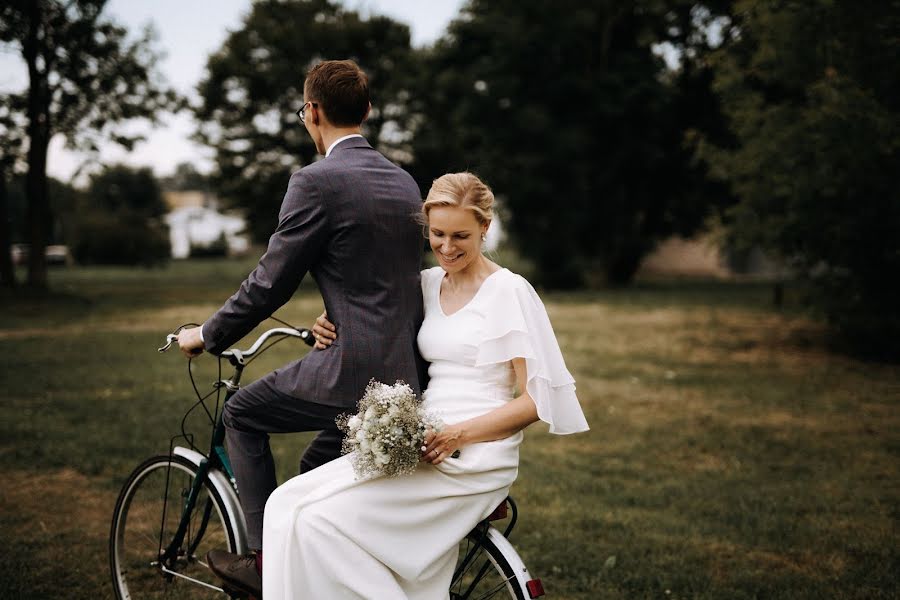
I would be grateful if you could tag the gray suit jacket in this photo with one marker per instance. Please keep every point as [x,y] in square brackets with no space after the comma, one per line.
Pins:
[348,220]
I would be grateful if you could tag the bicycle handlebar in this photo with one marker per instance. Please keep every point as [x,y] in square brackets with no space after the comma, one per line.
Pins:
[302,333]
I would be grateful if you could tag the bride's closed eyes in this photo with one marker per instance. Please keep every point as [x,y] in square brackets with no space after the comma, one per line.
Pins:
[460,235]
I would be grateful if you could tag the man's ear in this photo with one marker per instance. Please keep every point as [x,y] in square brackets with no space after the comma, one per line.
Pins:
[368,110]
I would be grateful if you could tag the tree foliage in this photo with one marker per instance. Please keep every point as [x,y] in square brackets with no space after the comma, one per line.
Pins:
[118,219]
[812,93]
[120,189]
[185,178]
[576,124]
[85,78]
[572,119]
[254,86]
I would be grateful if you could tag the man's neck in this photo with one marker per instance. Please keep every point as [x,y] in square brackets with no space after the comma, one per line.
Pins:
[336,133]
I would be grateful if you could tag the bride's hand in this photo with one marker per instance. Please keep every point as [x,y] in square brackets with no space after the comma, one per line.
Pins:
[323,332]
[442,444]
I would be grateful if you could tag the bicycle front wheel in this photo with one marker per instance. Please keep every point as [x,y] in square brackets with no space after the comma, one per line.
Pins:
[146,517]
[484,571]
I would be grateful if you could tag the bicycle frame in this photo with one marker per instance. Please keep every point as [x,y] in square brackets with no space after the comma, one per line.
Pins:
[215,468]
[215,460]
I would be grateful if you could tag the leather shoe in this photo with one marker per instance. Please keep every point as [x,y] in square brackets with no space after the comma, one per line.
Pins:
[238,571]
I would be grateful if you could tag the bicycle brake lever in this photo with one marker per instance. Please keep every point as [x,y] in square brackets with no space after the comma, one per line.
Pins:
[170,339]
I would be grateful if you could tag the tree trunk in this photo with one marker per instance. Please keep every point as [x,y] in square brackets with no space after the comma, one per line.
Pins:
[7,272]
[778,294]
[38,211]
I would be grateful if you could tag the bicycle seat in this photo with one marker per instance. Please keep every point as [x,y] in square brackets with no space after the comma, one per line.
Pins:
[501,512]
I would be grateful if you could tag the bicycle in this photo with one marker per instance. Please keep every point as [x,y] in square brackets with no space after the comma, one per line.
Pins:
[173,508]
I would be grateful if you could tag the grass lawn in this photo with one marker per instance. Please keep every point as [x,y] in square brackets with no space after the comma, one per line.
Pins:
[730,455]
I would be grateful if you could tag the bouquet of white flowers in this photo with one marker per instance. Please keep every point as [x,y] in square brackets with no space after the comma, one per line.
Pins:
[388,431]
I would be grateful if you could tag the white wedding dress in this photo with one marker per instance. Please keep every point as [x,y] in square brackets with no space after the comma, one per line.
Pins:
[329,536]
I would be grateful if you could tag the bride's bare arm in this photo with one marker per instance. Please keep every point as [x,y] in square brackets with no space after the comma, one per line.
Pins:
[515,415]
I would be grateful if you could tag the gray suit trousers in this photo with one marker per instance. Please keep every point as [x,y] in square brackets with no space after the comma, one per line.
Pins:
[250,416]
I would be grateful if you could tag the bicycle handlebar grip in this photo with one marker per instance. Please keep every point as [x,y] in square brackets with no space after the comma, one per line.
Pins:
[307,336]
[170,339]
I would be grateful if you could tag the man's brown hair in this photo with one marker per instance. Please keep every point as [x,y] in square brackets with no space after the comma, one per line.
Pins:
[340,89]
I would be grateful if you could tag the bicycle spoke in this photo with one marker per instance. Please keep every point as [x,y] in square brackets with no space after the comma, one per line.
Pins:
[500,587]
[481,573]
[148,518]
[150,540]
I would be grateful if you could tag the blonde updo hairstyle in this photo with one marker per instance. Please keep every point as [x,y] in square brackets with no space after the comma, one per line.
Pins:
[463,190]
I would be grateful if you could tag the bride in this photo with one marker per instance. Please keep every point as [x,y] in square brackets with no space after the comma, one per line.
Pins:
[486,334]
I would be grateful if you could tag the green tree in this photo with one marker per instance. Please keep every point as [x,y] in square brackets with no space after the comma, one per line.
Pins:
[84,78]
[254,85]
[120,189]
[118,220]
[185,178]
[812,93]
[576,123]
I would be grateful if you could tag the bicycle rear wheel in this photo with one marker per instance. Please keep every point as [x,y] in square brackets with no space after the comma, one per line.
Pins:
[145,519]
[483,571]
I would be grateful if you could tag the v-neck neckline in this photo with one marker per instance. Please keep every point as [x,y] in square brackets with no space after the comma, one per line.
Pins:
[472,299]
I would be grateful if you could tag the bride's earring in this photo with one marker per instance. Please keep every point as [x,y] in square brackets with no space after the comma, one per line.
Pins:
[483,237]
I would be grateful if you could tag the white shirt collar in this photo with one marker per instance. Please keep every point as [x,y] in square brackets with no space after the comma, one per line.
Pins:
[338,141]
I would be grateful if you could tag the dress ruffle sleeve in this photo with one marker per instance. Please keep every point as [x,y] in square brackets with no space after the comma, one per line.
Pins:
[516,325]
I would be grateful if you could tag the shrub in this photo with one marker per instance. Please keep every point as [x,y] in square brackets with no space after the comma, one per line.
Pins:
[120,240]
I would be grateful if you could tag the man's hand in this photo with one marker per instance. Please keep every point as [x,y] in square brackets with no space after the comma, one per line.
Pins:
[189,341]
[323,332]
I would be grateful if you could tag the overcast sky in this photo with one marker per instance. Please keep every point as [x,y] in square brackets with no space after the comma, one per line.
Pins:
[188,31]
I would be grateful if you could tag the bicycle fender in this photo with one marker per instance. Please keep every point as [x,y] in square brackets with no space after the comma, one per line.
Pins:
[226,492]
[512,557]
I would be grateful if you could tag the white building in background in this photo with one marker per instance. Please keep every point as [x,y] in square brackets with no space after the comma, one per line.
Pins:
[196,224]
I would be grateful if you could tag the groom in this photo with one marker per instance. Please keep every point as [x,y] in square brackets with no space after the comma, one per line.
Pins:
[349,221]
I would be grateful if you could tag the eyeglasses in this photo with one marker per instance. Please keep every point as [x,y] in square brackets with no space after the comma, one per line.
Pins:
[302,112]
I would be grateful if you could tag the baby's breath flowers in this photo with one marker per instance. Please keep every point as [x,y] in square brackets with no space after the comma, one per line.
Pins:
[386,434]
